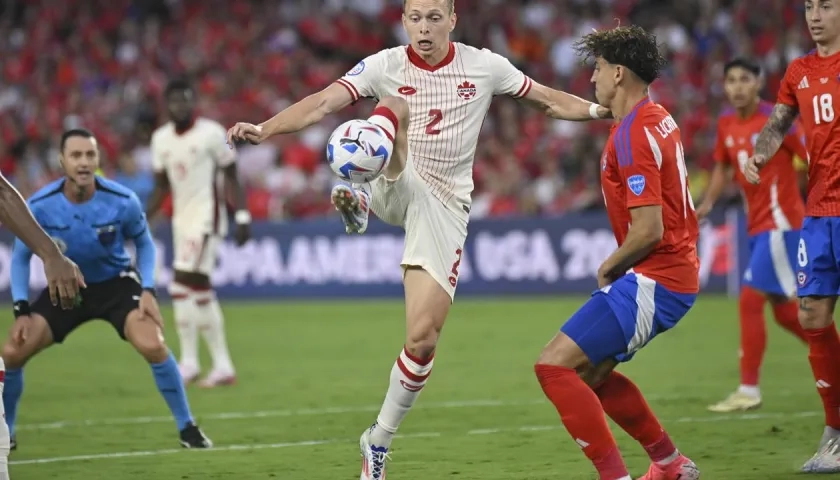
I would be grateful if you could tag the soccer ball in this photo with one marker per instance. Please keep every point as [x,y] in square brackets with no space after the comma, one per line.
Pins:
[358,151]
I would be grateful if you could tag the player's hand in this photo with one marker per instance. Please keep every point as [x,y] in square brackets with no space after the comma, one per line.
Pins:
[63,280]
[20,329]
[703,211]
[244,132]
[150,308]
[751,169]
[604,276]
[242,234]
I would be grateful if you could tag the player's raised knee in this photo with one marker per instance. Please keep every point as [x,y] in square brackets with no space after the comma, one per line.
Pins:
[397,105]
[815,312]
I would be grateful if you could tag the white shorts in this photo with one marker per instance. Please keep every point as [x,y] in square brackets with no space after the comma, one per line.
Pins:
[434,234]
[195,253]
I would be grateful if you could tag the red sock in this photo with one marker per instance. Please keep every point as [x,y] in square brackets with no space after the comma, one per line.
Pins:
[626,405]
[753,334]
[824,345]
[787,316]
[583,417]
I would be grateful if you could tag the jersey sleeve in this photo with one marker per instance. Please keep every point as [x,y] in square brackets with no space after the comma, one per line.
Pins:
[134,222]
[794,141]
[507,79]
[222,154]
[362,81]
[721,153]
[787,89]
[158,163]
[639,160]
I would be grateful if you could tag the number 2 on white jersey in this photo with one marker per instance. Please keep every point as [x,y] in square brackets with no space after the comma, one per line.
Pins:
[823,108]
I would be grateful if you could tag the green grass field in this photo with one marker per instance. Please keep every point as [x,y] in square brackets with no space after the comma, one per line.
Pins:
[312,376]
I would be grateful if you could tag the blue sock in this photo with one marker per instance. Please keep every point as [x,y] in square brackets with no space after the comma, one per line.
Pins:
[12,391]
[171,386]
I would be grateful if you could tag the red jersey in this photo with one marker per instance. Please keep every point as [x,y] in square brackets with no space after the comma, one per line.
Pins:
[775,203]
[643,165]
[812,86]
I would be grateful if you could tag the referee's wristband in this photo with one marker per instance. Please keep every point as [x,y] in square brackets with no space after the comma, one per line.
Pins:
[21,309]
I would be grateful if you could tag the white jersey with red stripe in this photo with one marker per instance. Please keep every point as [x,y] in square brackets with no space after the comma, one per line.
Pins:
[193,160]
[447,102]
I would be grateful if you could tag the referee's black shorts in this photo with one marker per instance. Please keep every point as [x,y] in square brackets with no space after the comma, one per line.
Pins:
[111,300]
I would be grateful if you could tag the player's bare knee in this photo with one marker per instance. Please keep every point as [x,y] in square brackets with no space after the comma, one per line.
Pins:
[13,355]
[562,351]
[145,336]
[816,312]
[398,105]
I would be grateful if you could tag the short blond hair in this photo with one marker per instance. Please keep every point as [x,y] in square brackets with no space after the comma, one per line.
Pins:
[450,3]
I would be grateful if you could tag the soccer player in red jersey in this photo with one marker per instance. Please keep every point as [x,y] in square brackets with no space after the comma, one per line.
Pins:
[811,89]
[647,285]
[774,215]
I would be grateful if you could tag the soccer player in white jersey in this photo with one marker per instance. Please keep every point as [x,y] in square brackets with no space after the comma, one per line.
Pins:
[192,161]
[434,95]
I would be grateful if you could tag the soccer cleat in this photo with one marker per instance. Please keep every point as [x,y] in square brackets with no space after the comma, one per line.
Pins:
[217,379]
[737,402]
[193,437]
[13,442]
[680,469]
[188,374]
[827,458]
[354,207]
[373,458]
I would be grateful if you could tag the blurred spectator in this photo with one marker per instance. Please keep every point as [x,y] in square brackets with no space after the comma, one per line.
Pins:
[103,64]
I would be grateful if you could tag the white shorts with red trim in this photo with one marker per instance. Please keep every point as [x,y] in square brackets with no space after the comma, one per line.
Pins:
[195,253]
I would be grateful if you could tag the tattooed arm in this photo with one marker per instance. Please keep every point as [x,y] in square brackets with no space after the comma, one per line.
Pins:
[774,131]
[770,139]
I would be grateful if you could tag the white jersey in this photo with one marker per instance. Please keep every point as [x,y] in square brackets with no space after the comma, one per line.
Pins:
[447,104]
[193,161]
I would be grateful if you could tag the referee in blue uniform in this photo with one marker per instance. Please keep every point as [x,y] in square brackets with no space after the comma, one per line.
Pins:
[91,218]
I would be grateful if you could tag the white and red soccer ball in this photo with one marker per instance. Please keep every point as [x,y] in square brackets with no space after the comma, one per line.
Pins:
[358,151]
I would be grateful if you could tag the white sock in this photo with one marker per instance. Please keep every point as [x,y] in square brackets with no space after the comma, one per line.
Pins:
[186,323]
[212,323]
[408,377]
[750,390]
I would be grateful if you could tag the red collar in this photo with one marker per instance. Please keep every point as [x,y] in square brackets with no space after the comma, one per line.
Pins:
[419,62]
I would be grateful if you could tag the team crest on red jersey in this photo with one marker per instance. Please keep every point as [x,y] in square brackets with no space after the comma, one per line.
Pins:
[466,90]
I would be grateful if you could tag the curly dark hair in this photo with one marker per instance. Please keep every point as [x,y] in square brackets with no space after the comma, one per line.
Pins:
[631,47]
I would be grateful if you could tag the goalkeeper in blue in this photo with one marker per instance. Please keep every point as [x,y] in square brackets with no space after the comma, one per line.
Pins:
[91,219]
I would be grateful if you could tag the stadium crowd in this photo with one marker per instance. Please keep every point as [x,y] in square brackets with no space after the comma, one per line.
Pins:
[102,64]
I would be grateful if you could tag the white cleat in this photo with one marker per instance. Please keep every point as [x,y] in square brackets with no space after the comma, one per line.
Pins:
[827,458]
[218,378]
[737,402]
[354,207]
[189,374]
[373,458]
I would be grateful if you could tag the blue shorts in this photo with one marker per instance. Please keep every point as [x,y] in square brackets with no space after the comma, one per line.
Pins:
[772,262]
[818,257]
[621,318]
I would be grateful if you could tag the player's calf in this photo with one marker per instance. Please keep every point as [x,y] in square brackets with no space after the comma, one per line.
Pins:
[145,336]
[29,335]
[815,316]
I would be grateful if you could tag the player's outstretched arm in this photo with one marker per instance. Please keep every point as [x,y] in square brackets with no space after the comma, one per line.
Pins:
[564,106]
[158,194]
[16,216]
[302,114]
[721,175]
